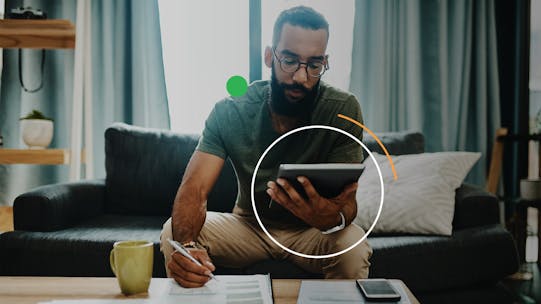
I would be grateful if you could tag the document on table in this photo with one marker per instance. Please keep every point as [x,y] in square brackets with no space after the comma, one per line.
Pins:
[343,292]
[99,301]
[228,289]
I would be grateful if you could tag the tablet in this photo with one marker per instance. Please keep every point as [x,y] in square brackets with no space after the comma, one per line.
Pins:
[328,179]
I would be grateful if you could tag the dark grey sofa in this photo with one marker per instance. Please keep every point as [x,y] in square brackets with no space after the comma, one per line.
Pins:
[68,229]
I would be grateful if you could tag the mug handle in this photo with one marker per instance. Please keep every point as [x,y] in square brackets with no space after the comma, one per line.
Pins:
[112,260]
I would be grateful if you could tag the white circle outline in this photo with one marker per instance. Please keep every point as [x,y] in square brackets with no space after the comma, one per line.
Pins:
[255,209]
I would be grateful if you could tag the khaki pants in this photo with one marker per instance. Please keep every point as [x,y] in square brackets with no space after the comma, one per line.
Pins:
[234,240]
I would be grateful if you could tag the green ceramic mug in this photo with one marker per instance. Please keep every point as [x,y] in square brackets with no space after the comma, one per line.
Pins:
[131,262]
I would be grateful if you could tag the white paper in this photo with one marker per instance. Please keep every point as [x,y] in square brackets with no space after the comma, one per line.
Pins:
[239,289]
[99,301]
[244,289]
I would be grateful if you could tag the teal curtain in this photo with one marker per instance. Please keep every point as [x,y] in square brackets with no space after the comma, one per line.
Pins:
[430,66]
[128,84]
[128,74]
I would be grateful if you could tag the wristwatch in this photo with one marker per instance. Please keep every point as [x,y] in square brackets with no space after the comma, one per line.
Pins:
[336,228]
[191,244]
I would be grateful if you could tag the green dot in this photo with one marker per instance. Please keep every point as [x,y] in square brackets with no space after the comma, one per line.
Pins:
[237,86]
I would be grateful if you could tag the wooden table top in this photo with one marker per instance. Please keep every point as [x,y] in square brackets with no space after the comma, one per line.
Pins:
[6,218]
[23,290]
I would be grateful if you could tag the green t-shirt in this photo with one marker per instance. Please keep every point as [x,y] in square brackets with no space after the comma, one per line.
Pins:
[241,128]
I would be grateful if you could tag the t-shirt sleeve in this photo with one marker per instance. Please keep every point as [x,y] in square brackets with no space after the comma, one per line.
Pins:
[345,149]
[211,140]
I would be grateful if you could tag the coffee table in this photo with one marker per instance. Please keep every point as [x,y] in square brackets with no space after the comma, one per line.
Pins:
[6,218]
[23,290]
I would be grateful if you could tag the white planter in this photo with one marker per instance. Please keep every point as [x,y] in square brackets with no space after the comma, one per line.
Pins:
[530,189]
[37,133]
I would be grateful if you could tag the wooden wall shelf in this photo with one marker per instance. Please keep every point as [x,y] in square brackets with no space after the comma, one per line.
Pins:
[37,34]
[36,157]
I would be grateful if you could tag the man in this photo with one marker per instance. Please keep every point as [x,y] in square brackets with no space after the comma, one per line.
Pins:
[241,129]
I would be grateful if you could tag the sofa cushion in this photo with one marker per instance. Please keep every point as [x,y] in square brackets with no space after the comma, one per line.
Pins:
[57,206]
[145,167]
[432,263]
[82,250]
[421,200]
[396,143]
[478,294]
[475,207]
[425,263]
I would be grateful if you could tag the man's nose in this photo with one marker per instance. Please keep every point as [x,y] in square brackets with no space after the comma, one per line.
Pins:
[301,75]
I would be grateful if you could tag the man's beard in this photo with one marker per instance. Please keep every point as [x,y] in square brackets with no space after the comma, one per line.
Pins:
[282,106]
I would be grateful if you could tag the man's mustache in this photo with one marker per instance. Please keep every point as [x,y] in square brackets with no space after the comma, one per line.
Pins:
[295,86]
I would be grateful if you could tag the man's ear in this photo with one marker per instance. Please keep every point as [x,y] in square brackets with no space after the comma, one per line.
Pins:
[327,61]
[268,56]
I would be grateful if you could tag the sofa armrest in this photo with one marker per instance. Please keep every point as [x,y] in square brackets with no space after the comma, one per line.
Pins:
[58,206]
[474,207]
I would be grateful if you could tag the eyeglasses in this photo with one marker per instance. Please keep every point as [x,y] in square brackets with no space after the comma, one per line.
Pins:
[289,64]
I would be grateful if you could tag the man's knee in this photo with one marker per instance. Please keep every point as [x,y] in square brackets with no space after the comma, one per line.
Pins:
[165,247]
[356,262]
[353,263]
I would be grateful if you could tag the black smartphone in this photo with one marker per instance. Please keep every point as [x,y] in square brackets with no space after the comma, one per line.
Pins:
[378,290]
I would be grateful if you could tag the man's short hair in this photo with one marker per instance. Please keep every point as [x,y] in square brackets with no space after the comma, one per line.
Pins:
[303,16]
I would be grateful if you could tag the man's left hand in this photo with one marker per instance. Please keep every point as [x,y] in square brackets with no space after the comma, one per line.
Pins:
[317,211]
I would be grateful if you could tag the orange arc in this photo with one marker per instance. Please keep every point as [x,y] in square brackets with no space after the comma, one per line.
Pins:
[375,137]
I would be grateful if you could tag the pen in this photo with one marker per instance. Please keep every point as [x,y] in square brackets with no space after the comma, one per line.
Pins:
[185,253]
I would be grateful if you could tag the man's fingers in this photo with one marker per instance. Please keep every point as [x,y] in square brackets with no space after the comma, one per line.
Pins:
[187,284]
[209,265]
[189,274]
[348,190]
[174,266]
[190,266]
[291,192]
[279,195]
[195,278]
[178,271]
[203,258]
[312,193]
[190,277]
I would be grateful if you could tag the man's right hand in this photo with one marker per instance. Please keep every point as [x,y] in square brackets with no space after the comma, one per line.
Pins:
[186,273]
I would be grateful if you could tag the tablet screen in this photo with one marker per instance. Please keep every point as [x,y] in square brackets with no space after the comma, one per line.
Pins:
[328,179]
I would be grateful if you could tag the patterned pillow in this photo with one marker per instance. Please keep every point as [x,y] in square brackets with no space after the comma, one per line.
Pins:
[421,200]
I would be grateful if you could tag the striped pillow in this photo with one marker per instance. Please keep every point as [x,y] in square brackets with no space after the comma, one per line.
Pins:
[421,200]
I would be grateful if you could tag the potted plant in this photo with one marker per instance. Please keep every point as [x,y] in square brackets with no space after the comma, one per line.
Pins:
[37,130]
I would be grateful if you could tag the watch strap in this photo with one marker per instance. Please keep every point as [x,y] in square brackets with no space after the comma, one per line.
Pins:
[337,228]
[191,244]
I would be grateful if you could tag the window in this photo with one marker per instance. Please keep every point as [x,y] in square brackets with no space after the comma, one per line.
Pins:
[204,43]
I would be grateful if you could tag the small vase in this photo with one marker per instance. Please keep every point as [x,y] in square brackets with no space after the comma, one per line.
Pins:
[37,133]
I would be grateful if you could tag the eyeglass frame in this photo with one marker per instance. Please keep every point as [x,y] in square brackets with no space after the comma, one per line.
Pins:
[324,62]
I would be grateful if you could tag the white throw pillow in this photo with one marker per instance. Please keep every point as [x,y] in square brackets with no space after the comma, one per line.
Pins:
[421,200]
